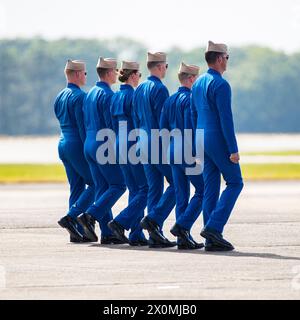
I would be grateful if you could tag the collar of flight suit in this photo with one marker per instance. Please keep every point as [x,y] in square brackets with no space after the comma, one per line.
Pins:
[184,89]
[102,84]
[155,78]
[213,71]
[72,85]
[126,86]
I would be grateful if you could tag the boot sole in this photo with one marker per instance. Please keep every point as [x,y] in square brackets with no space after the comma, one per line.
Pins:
[121,237]
[218,249]
[72,234]
[186,248]
[136,244]
[153,233]
[210,236]
[161,246]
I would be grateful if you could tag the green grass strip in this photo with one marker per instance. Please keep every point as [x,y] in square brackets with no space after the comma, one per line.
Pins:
[34,173]
[271,171]
[13,173]
[272,153]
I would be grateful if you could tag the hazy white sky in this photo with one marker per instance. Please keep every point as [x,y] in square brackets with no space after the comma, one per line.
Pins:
[158,23]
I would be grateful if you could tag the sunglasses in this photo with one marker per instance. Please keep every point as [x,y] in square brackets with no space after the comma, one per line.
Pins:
[77,72]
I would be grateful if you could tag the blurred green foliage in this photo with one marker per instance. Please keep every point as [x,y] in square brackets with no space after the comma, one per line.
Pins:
[265,83]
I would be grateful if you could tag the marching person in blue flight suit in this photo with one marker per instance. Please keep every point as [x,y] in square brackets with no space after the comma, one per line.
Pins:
[211,111]
[148,101]
[68,110]
[108,178]
[121,110]
[176,115]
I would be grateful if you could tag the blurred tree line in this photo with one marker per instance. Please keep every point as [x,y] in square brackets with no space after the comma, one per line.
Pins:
[265,83]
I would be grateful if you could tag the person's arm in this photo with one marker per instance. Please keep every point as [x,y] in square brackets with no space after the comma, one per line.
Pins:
[158,101]
[134,113]
[106,112]
[187,115]
[188,122]
[114,119]
[80,117]
[164,123]
[193,113]
[128,103]
[223,102]
[56,109]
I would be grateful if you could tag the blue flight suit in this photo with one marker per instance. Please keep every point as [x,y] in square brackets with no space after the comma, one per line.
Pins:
[148,101]
[130,217]
[68,110]
[176,115]
[108,178]
[211,111]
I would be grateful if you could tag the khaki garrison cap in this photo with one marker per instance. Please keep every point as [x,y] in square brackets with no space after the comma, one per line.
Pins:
[130,65]
[189,69]
[107,63]
[216,47]
[75,65]
[156,57]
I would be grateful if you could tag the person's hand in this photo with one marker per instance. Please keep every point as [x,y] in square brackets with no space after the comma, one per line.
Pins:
[234,157]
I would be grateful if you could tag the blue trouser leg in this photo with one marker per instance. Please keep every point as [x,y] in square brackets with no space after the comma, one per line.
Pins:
[194,208]
[116,187]
[76,183]
[100,187]
[187,211]
[77,187]
[136,231]
[182,190]
[78,173]
[231,172]
[141,182]
[212,182]
[131,216]
[135,228]
[155,181]
[155,174]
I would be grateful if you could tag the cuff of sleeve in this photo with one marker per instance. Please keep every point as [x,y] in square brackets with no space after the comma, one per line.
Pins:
[233,150]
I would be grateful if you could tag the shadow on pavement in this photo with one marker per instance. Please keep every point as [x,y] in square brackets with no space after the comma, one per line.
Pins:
[200,251]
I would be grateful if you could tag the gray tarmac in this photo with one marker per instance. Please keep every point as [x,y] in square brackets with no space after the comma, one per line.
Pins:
[38,262]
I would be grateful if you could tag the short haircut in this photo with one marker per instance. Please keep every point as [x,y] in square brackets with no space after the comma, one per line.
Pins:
[152,64]
[102,72]
[184,76]
[69,72]
[212,56]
